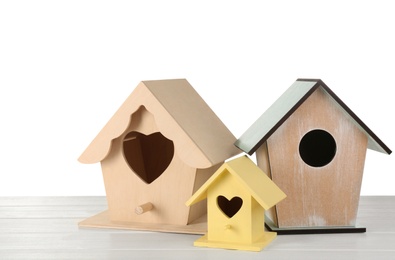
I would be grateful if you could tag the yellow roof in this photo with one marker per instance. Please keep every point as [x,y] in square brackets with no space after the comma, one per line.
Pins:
[260,186]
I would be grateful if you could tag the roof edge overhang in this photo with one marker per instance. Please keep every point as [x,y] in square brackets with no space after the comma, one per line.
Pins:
[246,166]
[170,127]
[100,147]
[201,193]
[282,119]
[374,142]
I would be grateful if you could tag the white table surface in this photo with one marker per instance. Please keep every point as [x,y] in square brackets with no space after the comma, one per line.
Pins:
[47,228]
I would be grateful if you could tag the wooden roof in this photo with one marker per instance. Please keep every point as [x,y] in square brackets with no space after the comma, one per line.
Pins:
[288,102]
[199,136]
[250,176]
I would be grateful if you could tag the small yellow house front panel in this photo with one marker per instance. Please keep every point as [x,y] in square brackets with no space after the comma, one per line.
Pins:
[230,198]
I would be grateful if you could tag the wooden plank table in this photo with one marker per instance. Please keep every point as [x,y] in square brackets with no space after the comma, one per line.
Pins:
[47,228]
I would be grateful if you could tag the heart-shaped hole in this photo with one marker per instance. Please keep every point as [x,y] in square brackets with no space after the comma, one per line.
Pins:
[229,207]
[148,155]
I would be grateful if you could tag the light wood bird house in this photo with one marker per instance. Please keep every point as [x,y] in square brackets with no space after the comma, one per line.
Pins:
[313,147]
[161,145]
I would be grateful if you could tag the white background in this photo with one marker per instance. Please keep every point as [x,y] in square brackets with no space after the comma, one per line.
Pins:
[66,67]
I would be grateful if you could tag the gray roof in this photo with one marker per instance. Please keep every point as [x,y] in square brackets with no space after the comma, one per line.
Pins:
[288,102]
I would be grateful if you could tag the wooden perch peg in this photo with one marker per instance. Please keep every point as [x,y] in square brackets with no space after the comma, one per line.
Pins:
[143,208]
[228,227]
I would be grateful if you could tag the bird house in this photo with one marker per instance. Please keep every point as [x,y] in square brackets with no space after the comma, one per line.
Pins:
[237,196]
[313,147]
[160,146]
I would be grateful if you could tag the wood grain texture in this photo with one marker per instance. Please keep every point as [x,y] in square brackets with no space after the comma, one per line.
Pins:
[25,236]
[125,191]
[180,114]
[274,116]
[318,196]
[286,104]
[102,220]
[263,161]
[158,147]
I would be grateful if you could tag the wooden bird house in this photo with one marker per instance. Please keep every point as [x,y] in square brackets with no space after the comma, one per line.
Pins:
[237,196]
[161,145]
[313,147]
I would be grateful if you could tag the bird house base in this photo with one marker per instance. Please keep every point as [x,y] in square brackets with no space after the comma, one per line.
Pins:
[256,246]
[312,230]
[102,220]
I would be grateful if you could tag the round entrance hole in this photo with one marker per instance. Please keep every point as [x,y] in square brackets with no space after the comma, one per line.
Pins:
[317,148]
[148,155]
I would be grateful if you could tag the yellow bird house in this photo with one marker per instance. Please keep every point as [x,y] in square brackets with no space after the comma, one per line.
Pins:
[160,146]
[238,194]
[313,147]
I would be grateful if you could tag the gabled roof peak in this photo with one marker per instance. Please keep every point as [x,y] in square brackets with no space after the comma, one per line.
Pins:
[250,176]
[284,107]
[181,114]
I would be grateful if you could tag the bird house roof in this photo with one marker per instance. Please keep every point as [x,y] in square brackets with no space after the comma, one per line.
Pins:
[199,136]
[283,108]
[250,176]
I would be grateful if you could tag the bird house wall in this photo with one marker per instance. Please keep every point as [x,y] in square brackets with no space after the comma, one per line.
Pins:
[126,190]
[200,208]
[262,157]
[317,196]
[245,226]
